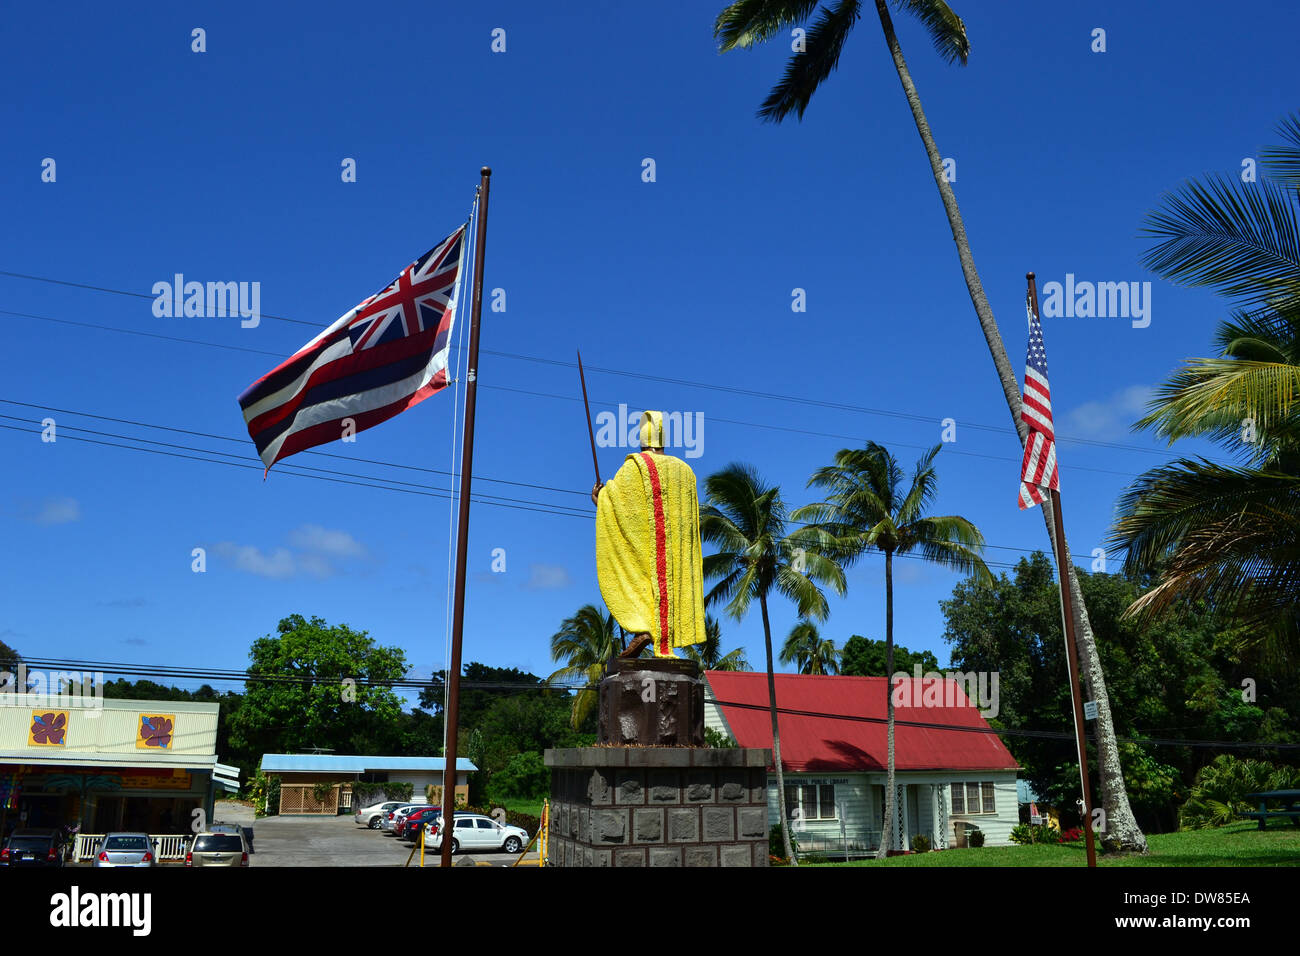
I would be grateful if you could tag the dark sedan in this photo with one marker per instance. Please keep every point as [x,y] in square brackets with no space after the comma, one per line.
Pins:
[34,848]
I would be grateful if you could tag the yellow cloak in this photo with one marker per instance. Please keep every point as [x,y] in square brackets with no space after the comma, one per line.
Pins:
[648,551]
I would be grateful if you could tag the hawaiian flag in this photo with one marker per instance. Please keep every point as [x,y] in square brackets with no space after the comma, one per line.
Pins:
[1038,470]
[384,356]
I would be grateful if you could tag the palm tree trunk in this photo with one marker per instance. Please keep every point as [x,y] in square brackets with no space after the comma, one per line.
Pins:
[776,737]
[887,830]
[1121,829]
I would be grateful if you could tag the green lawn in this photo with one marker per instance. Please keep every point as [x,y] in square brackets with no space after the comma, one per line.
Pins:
[1238,844]
[533,807]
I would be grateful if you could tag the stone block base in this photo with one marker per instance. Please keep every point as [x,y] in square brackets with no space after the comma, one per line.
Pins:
[658,806]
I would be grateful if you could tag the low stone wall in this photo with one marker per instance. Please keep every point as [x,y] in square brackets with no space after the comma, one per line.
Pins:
[658,806]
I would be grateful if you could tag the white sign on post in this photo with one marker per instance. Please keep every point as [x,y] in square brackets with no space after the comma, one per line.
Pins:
[1089,710]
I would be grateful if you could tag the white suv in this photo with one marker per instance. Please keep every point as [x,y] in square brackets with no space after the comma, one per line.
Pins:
[474,831]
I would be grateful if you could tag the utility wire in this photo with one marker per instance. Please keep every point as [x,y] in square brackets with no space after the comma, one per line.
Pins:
[208,675]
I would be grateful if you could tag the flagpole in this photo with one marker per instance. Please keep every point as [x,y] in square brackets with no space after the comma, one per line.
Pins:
[462,528]
[1072,654]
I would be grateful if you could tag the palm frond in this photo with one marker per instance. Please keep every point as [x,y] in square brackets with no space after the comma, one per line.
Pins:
[946,29]
[1282,163]
[1241,239]
[805,71]
[747,22]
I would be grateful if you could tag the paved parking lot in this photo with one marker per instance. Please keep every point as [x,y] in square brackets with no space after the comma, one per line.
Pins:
[334,841]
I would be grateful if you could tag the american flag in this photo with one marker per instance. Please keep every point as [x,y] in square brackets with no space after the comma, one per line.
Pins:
[377,360]
[1038,470]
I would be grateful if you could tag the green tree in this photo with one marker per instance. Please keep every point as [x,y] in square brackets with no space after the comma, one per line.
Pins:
[808,651]
[744,23]
[863,657]
[868,508]
[585,644]
[313,685]
[525,775]
[1178,677]
[745,520]
[1227,533]
[709,654]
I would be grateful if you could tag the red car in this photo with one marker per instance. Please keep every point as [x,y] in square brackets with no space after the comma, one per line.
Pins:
[407,827]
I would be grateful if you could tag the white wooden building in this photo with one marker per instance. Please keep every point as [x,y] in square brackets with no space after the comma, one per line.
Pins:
[833,752]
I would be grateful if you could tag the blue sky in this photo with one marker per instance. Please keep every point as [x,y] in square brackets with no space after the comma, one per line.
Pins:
[225,166]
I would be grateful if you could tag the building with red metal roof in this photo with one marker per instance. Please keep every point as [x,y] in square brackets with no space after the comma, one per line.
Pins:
[952,773]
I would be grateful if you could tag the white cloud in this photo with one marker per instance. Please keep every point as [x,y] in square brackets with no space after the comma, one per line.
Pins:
[50,511]
[547,577]
[1110,418]
[313,551]
[277,564]
[314,538]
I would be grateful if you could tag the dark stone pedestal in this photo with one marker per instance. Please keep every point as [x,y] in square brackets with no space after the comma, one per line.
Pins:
[652,702]
[658,806]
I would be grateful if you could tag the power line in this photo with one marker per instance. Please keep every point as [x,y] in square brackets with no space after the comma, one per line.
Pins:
[230,675]
[729,389]
[545,507]
[571,398]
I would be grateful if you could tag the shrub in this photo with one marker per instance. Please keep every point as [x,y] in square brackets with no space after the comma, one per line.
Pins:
[975,838]
[1219,792]
[1072,834]
[776,846]
[1027,833]
[920,843]
[264,792]
[368,794]
[717,740]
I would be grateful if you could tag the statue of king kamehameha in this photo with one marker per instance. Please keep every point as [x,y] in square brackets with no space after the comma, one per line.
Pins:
[648,546]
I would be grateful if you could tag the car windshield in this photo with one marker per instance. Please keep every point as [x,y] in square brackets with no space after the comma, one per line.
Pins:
[29,843]
[218,843]
[126,843]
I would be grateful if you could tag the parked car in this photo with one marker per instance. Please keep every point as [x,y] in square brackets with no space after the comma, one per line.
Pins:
[476,832]
[43,847]
[392,816]
[408,827]
[373,817]
[217,849]
[125,849]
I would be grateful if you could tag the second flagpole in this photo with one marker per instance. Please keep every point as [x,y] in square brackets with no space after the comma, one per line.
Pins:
[462,528]
[1071,650]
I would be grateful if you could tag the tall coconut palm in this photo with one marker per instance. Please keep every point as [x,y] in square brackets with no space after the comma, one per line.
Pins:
[709,654]
[585,643]
[1230,533]
[869,508]
[745,23]
[807,650]
[745,520]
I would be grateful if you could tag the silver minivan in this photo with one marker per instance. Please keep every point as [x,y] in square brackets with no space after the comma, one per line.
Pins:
[217,849]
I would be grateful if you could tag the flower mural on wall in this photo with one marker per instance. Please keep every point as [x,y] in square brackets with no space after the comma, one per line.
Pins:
[155,731]
[48,728]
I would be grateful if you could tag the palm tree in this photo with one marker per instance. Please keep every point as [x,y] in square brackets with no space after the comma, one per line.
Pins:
[585,643]
[809,651]
[1229,533]
[745,520]
[868,508]
[745,23]
[709,654]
